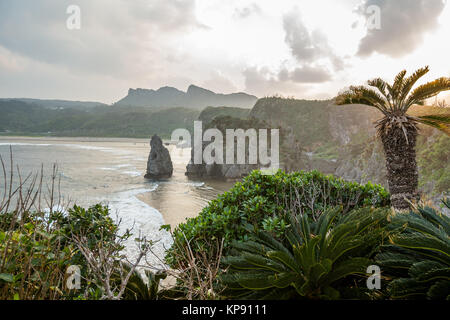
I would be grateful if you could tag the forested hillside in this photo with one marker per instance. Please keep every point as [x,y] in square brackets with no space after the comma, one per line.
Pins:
[17,117]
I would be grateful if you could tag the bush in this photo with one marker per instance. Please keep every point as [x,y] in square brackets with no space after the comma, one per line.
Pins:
[37,248]
[33,260]
[260,200]
[314,261]
[418,258]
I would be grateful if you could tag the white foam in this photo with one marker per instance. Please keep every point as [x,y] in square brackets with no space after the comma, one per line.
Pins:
[108,169]
[87,147]
[132,173]
[69,145]
[119,166]
[24,144]
[122,165]
[56,208]
[143,219]
[195,184]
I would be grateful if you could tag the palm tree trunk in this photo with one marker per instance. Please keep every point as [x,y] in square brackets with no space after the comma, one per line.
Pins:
[401,164]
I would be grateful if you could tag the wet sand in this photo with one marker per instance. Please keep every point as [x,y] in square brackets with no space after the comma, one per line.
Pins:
[180,200]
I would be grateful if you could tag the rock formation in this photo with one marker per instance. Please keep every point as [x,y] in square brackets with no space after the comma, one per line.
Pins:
[159,164]
[224,171]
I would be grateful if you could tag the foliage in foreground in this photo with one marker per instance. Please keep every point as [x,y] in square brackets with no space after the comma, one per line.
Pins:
[260,200]
[143,287]
[317,260]
[419,255]
[37,248]
[33,259]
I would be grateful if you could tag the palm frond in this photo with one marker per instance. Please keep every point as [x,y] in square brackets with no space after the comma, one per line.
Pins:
[315,257]
[427,91]
[395,100]
[419,257]
[381,85]
[411,81]
[397,88]
[363,95]
[444,127]
[435,117]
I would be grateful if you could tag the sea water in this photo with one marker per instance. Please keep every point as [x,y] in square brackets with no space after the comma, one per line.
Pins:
[111,172]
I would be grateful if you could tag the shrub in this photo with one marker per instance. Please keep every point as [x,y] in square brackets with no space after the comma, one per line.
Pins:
[314,261]
[141,287]
[37,248]
[33,261]
[418,257]
[262,200]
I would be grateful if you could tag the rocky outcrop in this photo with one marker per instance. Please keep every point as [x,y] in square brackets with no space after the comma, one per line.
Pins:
[159,164]
[221,172]
[363,163]
[224,171]
[345,122]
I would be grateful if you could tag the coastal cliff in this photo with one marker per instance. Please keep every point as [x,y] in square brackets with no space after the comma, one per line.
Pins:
[316,134]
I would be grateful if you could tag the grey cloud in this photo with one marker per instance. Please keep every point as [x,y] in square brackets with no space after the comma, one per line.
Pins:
[403,25]
[245,12]
[219,83]
[263,82]
[166,15]
[110,35]
[307,46]
[308,74]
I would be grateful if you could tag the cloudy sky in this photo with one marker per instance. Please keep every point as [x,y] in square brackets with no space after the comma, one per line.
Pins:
[301,48]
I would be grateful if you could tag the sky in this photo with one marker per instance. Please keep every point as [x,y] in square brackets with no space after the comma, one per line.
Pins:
[294,48]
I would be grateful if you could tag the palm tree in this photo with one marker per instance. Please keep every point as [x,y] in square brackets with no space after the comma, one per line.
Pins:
[398,129]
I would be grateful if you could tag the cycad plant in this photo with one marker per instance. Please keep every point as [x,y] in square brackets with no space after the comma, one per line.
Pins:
[397,129]
[419,255]
[140,287]
[315,260]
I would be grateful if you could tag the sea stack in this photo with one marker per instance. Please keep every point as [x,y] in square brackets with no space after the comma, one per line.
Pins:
[159,164]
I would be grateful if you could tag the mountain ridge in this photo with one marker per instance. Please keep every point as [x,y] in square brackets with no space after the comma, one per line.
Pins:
[194,97]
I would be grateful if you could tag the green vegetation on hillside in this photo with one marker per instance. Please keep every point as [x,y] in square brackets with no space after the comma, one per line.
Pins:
[308,118]
[434,163]
[259,199]
[208,114]
[103,121]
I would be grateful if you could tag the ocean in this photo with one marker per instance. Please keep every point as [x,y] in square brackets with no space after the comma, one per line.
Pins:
[111,171]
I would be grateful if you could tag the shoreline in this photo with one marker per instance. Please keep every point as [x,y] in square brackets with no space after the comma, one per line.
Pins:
[174,203]
[169,218]
[72,139]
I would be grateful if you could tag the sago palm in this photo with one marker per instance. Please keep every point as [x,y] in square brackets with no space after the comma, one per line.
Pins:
[398,129]
[317,260]
[418,257]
